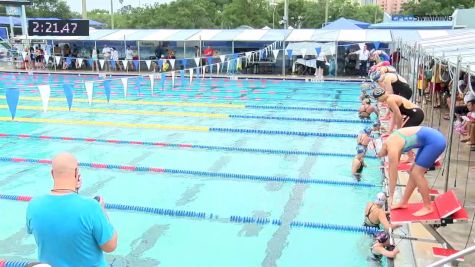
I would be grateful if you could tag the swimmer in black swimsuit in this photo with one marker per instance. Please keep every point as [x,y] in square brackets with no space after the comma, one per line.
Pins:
[380,248]
[358,164]
[375,214]
[393,83]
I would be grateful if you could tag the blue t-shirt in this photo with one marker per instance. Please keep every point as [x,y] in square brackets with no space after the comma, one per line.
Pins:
[69,230]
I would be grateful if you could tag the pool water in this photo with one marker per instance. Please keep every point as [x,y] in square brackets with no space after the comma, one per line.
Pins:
[151,239]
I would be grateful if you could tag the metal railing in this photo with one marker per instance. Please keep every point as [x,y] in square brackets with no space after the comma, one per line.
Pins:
[453,257]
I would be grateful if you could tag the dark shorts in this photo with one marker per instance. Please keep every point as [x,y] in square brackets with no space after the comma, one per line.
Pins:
[461,110]
[320,64]
[416,118]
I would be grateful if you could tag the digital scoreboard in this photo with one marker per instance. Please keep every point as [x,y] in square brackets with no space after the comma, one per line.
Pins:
[58,27]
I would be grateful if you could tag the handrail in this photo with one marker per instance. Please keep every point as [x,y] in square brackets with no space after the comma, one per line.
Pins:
[453,257]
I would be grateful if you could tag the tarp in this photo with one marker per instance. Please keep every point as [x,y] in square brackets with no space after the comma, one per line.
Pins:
[341,24]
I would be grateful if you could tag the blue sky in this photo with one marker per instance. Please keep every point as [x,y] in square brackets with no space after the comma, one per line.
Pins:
[76,5]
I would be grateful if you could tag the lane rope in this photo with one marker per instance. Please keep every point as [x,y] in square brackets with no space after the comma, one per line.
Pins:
[260,178]
[179,145]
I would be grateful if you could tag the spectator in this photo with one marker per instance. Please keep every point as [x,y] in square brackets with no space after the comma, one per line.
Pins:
[129,56]
[69,229]
[208,52]
[57,50]
[115,57]
[382,247]
[197,51]
[158,51]
[106,53]
[395,58]
[363,55]
[94,59]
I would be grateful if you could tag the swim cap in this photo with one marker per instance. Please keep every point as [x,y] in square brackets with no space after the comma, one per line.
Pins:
[380,199]
[377,92]
[375,76]
[365,86]
[360,149]
[382,237]
[368,130]
[376,124]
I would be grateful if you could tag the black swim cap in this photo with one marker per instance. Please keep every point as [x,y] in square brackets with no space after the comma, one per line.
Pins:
[378,91]
[382,237]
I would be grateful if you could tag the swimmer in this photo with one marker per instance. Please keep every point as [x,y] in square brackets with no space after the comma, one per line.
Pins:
[366,109]
[358,163]
[399,107]
[364,137]
[393,83]
[375,214]
[431,143]
[379,56]
[382,247]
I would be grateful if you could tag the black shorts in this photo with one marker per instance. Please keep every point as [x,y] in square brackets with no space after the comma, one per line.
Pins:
[320,64]
[416,118]
[38,58]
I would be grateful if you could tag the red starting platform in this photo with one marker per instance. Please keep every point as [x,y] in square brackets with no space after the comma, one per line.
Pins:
[447,210]
[445,252]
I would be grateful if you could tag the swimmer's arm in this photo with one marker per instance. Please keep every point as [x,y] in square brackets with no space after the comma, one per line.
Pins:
[384,221]
[396,120]
[387,85]
[385,252]
[393,156]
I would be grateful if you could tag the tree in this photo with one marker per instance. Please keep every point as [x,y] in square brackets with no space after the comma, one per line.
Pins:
[100,15]
[435,7]
[254,13]
[50,9]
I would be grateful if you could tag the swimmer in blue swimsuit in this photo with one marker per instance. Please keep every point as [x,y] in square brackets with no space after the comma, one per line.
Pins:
[431,143]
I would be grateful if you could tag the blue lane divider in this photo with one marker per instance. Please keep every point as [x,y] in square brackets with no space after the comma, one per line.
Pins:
[279,132]
[4,263]
[210,216]
[299,108]
[299,119]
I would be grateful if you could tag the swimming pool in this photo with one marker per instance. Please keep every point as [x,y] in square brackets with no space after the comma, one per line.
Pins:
[242,172]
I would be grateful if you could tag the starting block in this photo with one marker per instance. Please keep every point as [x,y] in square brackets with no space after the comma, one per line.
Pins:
[447,210]
[445,252]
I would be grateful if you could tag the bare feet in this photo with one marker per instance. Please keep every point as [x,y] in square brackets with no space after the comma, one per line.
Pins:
[422,212]
[399,206]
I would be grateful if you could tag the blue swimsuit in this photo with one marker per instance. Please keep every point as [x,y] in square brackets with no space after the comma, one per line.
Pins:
[431,144]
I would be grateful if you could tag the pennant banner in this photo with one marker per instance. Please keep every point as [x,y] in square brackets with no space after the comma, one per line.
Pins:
[172,63]
[12,95]
[101,63]
[148,63]
[376,45]
[222,57]
[248,54]
[218,67]
[57,58]
[185,63]
[197,61]
[152,80]
[173,79]
[197,73]
[45,91]
[318,50]
[89,88]
[125,63]
[125,83]
[303,51]
[68,92]
[113,65]
[289,53]
[136,64]
[90,62]
[80,60]
[47,58]
[276,53]
[24,55]
[107,89]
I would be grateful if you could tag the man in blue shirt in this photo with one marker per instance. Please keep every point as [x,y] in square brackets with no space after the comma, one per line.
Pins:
[69,229]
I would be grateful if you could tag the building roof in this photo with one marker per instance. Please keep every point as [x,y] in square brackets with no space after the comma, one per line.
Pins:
[341,24]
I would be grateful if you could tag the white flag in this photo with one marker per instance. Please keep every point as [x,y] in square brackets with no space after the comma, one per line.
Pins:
[218,66]
[303,51]
[173,79]
[248,54]
[57,58]
[197,61]
[101,62]
[125,84]
[47,58]
[148,63]
[124,63]
[80,60]
[276,53]
[172,63]
[152,80]
[222,57]
[89,87]
[191,75]
[45,91]
[24,54]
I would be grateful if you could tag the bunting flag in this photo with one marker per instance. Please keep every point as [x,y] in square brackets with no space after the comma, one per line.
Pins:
[261,54]
[136,64]
[47,58]
[248,54]
[68,92]
[173,79]
[80,60]
[197,61]
[265,52]
[238,64]
[209,60]
[89,88]
[289,53]
[218,67]
[303,51]
[276,53]
[182,77]
[185,63]
[57,59]
[90,62]
[152,80]
[125,83]
[101,63]
[197,73]
[148,63]
[163,77]
[318,50]
[12,95]
[68,61]
[222,57]
[332,50]
[107,89]
[24,55]
[376,45]
[45,91]
[125,63]
[191,75]
[172,63]
[113,65]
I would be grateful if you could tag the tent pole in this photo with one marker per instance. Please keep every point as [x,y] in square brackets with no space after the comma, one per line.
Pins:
[336,59]
[138,53]
[283,58]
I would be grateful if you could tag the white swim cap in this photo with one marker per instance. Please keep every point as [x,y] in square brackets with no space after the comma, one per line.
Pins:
[380,199]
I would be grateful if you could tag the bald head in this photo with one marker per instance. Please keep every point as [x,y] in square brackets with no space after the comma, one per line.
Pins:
[64,166]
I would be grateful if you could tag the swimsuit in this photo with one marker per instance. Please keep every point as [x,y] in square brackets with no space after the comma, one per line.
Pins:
[415,115]
[401,88]
[367,221]
[431,144]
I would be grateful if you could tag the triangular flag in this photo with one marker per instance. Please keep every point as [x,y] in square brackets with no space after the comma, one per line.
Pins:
[276,53]
[303,51]
[318,50]
[218,67]
[172,63]
[101,62]
[24,55]
[68,92]
[90,62]
[248,54]
[376,45]
[160,63]
[173,79]
[68,61]
[184,62]
[182,77]
[57,58]
[191,75]
[136,64]
[12,95]
[152,81]
[80,60]
[197,61]
[89,88]
[148,63]
[113,65]
[47,58]
[261,54]
[163,77]
[125,83]
[125,63]
[289,53]
[197,73]
[45,91]
[222,57]
[107,89]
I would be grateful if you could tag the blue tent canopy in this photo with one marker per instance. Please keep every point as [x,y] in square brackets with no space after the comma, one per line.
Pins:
[341,24]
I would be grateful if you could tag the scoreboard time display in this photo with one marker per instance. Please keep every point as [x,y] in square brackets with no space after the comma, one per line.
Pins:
[58,27]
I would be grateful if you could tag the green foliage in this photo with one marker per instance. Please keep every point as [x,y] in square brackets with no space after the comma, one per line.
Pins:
[50,9]
[435,7]
[254,13]
[100,15]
